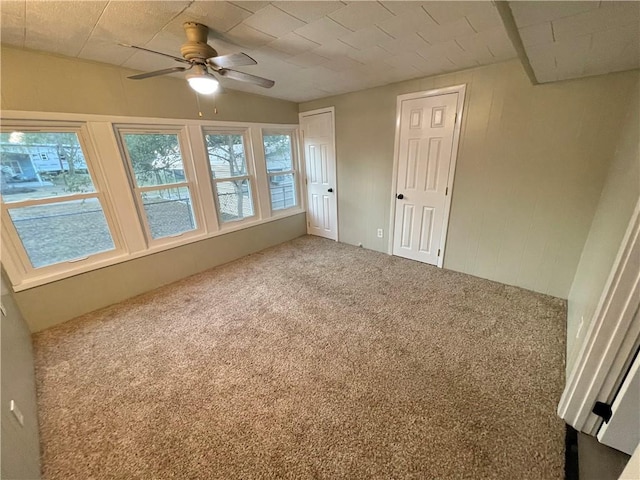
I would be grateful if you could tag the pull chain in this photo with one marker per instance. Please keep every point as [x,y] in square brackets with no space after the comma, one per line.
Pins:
[200,114]
[198,102]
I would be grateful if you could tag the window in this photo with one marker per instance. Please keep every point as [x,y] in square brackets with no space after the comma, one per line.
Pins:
[162,189]
[56,215]
[77,195]
[14,167]
[232,181]
[279,155]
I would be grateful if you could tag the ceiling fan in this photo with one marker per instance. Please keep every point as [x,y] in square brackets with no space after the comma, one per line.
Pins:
[204,63]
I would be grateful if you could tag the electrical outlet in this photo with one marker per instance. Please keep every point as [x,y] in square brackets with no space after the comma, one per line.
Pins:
[580,326]
[380,233]
[16,412]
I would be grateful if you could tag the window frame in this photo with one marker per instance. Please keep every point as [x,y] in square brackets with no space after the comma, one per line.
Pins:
[251,174]
[190,181]
[110,177]
[295,166]
[18,260]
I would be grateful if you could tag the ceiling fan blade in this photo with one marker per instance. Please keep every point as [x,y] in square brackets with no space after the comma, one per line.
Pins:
[177,59]
[245,77]
[156,73]
[232,60]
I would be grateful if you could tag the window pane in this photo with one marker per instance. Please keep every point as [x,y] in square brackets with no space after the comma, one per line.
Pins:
[277,151]
[59,232]
[226,155]
[234,200]
[169,211]
[156,158]
[42,165]
[283,191]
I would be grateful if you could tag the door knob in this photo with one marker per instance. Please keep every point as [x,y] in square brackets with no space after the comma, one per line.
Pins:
[330,190]
[399,196]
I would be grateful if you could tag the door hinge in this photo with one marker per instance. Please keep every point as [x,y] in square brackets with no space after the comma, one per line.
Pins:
[446,191]
[455,119]
[306,182]
[603,410]
[438,252]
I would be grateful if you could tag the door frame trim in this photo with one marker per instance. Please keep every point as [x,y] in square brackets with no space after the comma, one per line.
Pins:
[457,128]
[310,113]
[610,339]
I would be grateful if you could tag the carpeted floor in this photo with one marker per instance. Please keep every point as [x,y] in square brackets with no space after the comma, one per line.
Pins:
[308,360]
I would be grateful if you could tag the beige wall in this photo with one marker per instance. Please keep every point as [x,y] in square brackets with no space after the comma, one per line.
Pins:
[59,301]
[33,81]
[20,450]
[531,166]
[37,81]
[617,201]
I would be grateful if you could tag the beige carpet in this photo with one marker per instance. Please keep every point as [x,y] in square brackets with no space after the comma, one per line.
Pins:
[309,360]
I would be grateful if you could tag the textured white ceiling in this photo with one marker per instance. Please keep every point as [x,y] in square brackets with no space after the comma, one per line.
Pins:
[572,39]
[313,49]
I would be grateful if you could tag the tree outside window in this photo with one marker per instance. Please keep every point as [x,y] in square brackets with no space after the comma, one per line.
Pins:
[229,171]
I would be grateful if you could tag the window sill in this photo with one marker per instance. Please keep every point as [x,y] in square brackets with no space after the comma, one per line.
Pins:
[39,280]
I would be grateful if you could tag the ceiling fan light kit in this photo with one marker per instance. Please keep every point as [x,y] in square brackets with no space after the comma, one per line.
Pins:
[205,62]
[202,82]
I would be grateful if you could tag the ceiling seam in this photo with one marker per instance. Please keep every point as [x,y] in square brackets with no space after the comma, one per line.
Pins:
[385,7]
[343,26]
[470,24]
[238,4]
[86,40]
[430,16]
[173,18]
[275,5]
[386,33]
[426,41]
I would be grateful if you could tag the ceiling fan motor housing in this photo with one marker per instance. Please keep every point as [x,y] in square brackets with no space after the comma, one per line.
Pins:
[196,46]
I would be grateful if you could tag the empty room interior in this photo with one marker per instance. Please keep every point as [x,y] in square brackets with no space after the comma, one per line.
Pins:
[320,239]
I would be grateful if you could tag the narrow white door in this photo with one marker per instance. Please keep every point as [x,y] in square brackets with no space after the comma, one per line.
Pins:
[320,162]
[425,146]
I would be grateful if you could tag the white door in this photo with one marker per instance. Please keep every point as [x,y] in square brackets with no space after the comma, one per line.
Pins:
[320,161]
[425,148]
[622,431]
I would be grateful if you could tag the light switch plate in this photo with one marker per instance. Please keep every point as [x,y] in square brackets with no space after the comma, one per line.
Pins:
[16,412]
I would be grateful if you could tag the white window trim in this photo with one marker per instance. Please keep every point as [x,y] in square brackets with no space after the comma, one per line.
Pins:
[15,258]
[250,159]
[189,183]
[111,181]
